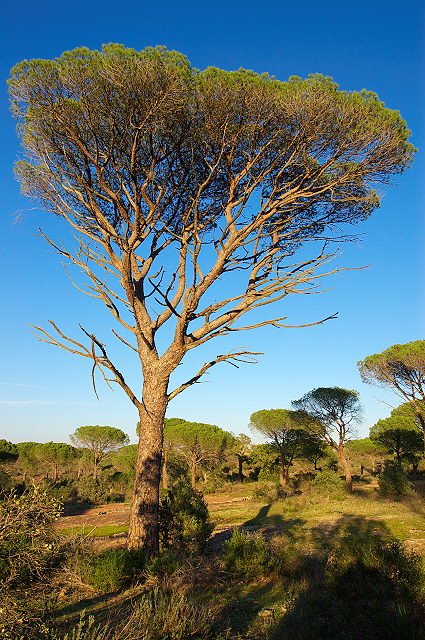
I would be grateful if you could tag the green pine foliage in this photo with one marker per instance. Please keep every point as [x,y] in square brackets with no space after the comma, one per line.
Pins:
[393,481]
[245,556]
[185,524]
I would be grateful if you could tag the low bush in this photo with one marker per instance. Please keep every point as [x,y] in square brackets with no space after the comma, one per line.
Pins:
[92,490]
[163,565]
[163,614]
[113,569]
[6,482]
[393,481]
[267,474]
[185,524]
[327,483]
[267,491]
[63,490]
[373,563]
[23,618]
[245,556]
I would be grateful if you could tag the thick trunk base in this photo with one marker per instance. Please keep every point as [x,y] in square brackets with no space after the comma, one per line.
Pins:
[144,514]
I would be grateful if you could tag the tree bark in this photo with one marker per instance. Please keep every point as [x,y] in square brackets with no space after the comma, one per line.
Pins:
[144,514]
[240,463]
[165,478]
[345,465]
[283,473]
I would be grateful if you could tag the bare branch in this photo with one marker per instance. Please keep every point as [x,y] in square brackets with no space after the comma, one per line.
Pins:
[232,358]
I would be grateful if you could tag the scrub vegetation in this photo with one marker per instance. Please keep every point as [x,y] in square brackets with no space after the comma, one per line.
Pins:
[243,555]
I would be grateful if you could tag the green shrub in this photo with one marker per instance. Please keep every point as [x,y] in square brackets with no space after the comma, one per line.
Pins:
[158,615]
[87,630]
[268,474]
[245,555]
[62,490]
[92,490]
[6,482]
[393,481]
[375,563]
[185,524]
[327,483]
[22,618]
[113,569]
[163,565]
[267,491]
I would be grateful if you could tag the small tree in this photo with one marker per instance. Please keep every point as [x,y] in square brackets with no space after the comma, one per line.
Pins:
[172,179]
[399,435]
[265,458]
[415,411]
[286,431]
[197,442]
[125,459]
[314,449]
[334,411]
[8,452]
[241,448]
[27,458]
[54,455]
[99,440]
[367,450]
[400,368]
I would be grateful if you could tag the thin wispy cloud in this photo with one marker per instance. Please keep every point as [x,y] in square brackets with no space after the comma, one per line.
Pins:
[19,384]
[40,403]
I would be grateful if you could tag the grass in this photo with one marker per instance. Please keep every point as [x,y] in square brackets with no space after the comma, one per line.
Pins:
[94,532]
[404,519]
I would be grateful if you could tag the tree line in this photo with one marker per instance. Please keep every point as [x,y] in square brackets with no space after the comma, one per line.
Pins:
[319,427]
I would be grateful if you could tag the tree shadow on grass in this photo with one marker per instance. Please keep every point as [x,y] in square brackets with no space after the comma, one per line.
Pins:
[261,521]
[368,589]
[287,526]
[76,608]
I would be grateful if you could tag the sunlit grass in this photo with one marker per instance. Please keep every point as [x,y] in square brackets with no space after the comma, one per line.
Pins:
[95,532]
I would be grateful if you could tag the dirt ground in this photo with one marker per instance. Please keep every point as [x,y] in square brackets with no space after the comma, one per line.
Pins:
[99,516]
[118,514]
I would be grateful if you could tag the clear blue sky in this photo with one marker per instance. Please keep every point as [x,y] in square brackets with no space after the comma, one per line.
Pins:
[45,393]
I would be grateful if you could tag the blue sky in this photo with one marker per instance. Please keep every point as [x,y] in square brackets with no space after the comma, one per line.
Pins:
[45,393]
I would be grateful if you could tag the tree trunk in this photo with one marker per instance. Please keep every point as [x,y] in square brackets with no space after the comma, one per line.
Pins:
[283,473]
[95,467]
[345,465]
[144,513]
[240,463]
[165,478]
